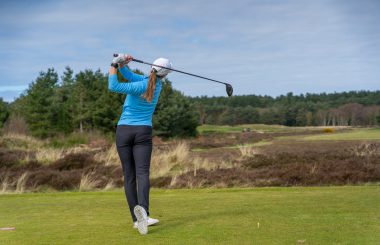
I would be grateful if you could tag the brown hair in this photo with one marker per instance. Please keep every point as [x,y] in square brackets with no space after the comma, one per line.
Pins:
[148,95]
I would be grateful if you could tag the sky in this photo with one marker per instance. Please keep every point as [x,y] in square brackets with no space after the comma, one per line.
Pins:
[261,47]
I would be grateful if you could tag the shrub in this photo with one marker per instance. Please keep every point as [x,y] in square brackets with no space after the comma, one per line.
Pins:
[109,157]
[10,158]
[328,130]
[247,151]
[88,182]
[15,125]
[74,161]
[71,140]
[172,160]
[175,114]
[21,182]
[5,184]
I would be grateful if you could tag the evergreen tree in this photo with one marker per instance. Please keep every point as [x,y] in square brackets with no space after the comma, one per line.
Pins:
[87,90]
[39,104]
[107,108]
[175,114]
[62,107]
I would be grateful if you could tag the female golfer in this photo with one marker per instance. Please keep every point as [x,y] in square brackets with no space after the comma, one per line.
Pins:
[134,133]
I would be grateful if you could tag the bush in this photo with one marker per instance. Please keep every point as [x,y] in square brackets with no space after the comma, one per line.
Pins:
[16,124]
[71,140]
[175,114]
[74,161]
[328,130]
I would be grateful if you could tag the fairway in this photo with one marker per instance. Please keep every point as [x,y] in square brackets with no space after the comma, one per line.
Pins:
[304,215]
[357,134]
[206,128]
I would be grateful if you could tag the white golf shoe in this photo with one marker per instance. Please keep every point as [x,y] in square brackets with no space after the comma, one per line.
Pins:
[142,219]
[151,221]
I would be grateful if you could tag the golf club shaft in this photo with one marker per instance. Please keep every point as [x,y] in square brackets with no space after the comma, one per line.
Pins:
[229,88]
[143,62]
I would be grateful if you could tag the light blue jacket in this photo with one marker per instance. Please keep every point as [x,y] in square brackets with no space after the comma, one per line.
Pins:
[136,110]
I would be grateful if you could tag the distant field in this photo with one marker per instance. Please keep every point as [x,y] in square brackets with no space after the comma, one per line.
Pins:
[357,134]
[323,215]
[351,134]
[238,128]
[256,127]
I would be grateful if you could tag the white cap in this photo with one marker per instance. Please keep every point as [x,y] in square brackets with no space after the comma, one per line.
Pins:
[162,62]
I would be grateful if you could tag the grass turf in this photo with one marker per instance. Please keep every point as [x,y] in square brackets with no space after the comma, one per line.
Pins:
[312,215]
[357,134]
[207,128]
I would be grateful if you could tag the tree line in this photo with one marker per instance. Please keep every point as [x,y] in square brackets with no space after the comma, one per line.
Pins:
[355,108]
[54,105]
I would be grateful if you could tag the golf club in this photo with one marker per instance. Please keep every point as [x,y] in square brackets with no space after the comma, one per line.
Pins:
[229,88]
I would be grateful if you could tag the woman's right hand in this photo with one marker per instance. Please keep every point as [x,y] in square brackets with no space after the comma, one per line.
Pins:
[127,58]
[122,59]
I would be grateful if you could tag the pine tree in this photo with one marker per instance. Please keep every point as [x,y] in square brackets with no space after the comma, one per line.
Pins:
[107,107]
[87,91]
[39,104]
[62,107]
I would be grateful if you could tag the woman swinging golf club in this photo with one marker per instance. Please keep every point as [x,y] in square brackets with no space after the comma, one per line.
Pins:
[134,132]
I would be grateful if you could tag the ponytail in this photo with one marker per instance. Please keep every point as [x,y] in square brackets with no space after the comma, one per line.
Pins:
[148,95]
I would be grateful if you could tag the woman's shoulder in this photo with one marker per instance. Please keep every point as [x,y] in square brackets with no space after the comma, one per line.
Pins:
[144,79]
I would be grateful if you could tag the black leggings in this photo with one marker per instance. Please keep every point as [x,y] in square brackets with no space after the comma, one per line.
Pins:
[134,145]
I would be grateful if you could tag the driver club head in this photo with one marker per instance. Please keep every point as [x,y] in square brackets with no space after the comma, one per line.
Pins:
[229,90]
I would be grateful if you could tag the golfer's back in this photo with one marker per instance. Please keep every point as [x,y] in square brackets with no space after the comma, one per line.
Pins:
[136,109]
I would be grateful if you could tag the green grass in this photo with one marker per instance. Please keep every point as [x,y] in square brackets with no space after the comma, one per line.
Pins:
[356,134]
[206,128]
[321,215]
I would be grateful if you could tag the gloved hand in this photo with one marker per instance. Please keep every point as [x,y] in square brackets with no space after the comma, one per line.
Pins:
[119,58]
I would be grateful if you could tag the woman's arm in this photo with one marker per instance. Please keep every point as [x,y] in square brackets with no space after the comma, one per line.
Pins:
[129,75]
[114,85]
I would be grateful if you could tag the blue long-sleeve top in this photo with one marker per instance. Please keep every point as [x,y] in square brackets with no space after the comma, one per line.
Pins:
[136,109]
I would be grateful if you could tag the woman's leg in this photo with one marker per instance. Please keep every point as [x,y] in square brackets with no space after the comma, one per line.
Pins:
[124,144]
[142,151]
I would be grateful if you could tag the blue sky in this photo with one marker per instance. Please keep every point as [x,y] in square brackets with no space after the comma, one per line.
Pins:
[263,47]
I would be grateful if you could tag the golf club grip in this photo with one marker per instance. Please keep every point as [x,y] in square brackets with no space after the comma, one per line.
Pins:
[138,61]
